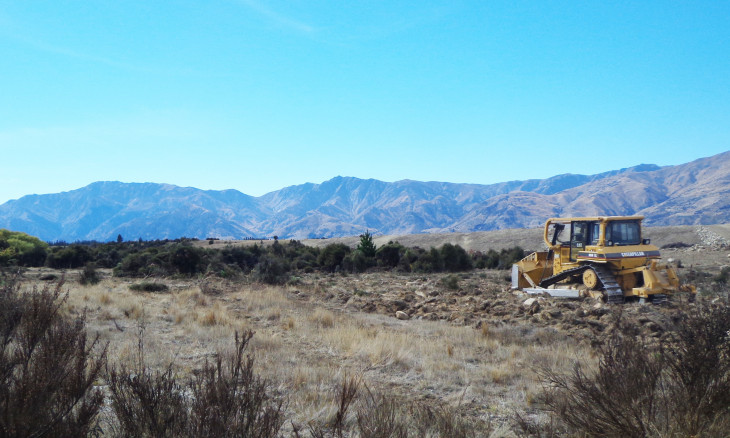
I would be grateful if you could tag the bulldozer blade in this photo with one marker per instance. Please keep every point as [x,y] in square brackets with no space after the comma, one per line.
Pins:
[558,293]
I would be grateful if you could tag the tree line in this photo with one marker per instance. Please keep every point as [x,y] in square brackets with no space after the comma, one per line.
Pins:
[271,263]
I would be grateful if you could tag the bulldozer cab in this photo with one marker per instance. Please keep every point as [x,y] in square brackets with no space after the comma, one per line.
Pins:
[582,234]
[625,232]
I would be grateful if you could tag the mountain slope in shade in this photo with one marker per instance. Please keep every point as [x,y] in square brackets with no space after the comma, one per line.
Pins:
[692,193]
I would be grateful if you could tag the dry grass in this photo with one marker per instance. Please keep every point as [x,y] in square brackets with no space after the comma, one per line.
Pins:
[306,347]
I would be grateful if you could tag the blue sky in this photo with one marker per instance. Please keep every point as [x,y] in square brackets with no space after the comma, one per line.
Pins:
[258,95]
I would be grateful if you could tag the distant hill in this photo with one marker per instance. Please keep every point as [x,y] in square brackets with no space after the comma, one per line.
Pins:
[687,194]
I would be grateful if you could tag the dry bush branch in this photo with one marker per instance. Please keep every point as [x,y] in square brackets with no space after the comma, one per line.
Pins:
[47,366]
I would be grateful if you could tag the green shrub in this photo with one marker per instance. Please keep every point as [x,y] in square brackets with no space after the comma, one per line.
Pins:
[148,287]
[454,258]
[243,257]
[490,260]
[509,256]
[69,257]
[366,245]
[356,261]
[428,261]
[450,282]
[723,276]
[332,256]
[89,275]
[271,270]
[187,260]
[389,255]
[21,249]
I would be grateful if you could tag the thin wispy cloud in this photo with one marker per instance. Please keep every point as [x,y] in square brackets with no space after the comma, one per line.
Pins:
[278,18]
[12,31]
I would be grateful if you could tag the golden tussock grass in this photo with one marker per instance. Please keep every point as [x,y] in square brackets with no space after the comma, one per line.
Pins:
[305,348]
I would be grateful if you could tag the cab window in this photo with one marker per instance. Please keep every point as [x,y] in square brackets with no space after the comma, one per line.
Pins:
[595,232]
[623,233]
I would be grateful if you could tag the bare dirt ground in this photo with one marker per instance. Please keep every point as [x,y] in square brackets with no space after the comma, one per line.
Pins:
[465,339]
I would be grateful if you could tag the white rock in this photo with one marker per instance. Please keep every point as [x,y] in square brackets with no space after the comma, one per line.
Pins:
[402,315]
[529,302]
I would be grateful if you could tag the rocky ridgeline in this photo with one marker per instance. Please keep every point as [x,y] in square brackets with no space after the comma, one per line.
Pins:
[710,238]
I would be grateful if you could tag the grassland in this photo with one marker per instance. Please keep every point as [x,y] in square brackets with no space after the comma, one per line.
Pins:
[468,341]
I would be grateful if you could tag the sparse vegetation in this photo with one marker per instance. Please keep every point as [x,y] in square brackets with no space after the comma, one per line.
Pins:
[458,361]
[148,286]
[225,398]
[89,275]
[680,387]
[48,366]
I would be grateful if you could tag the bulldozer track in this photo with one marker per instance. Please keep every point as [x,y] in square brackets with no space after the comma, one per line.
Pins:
[659,299]
[563,275]
[613,292]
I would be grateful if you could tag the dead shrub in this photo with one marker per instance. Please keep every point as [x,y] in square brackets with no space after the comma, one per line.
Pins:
[147,403]
[223,399]
[678,388]
[228,399]
[383,416]
[47,366]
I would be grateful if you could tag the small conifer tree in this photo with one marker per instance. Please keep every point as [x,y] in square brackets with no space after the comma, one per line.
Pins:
[366,245]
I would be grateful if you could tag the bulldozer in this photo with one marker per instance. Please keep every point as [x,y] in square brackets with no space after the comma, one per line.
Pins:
[600,257]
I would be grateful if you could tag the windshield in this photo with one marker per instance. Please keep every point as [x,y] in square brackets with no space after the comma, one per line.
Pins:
[623,233]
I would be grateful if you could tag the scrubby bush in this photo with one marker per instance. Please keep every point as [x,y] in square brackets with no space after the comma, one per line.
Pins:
[272,270]
[148,286]
[455,258]
[48,366]
[490,260]
[243,257]
[224,399]
[369,414]
[187,259]
[450,282]
[356,261]
[428,261]
[640,389]
[89,275]
[69,257]
[389,255]
[332,255]
[723,276]
[509,256]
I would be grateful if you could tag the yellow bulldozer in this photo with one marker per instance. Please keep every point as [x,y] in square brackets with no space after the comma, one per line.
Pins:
[600,257]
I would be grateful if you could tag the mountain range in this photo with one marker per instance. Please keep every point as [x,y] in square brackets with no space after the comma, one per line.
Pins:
[693,193]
